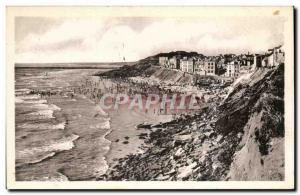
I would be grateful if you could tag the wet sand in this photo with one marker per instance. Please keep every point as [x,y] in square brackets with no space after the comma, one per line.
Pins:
[124,135]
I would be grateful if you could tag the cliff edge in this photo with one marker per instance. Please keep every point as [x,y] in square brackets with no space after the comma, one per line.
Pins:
[240,138]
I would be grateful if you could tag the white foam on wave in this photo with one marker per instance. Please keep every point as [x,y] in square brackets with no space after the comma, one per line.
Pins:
[18,100]
[42,126]
[22,90]
[39,106]
[54,107]
[37,154]
[45,107]
[103,169]
[104,125]
[33,99]
[57,177]
[43,157]
[43,114]
[100,110]
[35,102]
[30,97]
[59,126]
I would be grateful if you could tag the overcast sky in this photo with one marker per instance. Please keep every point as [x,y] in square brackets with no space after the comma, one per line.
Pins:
[110,39]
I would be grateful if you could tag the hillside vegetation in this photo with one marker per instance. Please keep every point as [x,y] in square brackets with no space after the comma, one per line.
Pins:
[145,67]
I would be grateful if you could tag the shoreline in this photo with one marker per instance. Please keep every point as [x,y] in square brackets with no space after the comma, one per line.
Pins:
[128,140]
[125,139]
[123,122]
[230,140]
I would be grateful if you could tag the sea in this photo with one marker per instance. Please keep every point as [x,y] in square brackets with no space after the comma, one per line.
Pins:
[58,136]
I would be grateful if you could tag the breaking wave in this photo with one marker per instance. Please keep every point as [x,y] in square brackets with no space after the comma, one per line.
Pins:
[35,102]
[42,126]
[104,125]
[29,97]
[42,114]
[22,91]
[38,154]
[18,100]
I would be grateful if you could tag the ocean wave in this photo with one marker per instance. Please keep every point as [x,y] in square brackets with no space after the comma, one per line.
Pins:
[58,177]
[100,111]
[53,107]
[38,154]
[59,126]
[35,102]
[43,106]
[101,170]
[38,102]
[29,97]
[44,157]
[77,116]
[42,126]
[18,100]
[42,114]
[104,125]
[40,106]
[107,148]
[22,91]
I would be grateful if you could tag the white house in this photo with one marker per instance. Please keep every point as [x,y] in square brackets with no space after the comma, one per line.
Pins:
[233,69]
[187,65]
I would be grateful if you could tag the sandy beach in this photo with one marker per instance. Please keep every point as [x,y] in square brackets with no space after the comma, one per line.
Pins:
[124,135]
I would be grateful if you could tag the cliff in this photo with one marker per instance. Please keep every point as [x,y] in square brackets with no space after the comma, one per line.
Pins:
[241,138]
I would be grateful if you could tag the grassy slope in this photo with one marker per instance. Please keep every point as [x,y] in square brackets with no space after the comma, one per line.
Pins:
[145,67]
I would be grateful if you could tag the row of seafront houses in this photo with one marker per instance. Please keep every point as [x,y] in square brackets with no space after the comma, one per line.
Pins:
[233,64]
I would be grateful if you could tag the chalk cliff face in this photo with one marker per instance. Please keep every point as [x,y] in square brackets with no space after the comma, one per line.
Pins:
[241,138]
[260,154]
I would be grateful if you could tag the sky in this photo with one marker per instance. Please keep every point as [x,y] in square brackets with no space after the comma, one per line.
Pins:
[50,40]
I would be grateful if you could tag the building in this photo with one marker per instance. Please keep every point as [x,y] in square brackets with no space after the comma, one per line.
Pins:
[209,67]
[187,65]
[174,62]
[229,57]
[278,55]
[163,61]
[272,58]
[258,61]
[233,69]
[247,60]
[268,60]
[199,67]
